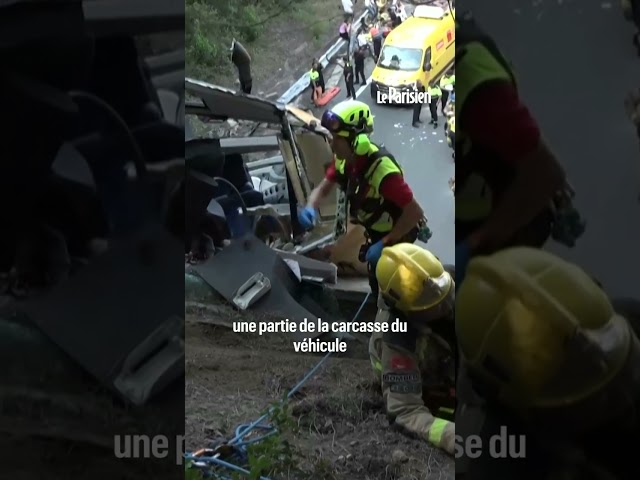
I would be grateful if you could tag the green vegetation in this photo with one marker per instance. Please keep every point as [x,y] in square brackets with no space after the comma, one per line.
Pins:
[211,25]
[275,456]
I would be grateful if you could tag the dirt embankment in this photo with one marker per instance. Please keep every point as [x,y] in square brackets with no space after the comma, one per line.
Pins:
[282,38]
[337,429]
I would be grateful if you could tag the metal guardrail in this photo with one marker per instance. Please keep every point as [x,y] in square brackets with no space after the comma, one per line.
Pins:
[303,82]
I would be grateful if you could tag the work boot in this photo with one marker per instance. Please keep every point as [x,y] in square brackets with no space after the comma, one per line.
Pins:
[416,124]
[435,125]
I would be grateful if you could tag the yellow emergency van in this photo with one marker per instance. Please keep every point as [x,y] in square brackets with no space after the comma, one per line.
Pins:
[420,48]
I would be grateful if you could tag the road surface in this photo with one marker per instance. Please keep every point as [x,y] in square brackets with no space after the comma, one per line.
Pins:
[575,64]
[428,166]
[426,160]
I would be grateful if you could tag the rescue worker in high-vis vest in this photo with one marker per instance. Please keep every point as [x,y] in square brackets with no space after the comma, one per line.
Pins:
[434,99]
[314,83]
[507,176]
[379,198]
[447,84]
[450,124]
[549,364]
[416,368]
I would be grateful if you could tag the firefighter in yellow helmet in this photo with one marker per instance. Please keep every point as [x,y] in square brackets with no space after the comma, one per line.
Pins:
[416,366]
[547,355]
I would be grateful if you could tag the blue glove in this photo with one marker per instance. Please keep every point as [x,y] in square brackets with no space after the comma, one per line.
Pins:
[307,218]
[463,254]
[374,253]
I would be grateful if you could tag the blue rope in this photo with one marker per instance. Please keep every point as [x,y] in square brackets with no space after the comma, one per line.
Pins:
[238,442]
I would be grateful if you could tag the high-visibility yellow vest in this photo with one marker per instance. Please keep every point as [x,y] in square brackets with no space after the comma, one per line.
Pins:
[475,193]
[444,81]
[374,212]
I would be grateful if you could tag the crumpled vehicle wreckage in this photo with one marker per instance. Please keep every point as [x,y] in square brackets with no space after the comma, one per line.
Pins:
[241,220]
[90,250]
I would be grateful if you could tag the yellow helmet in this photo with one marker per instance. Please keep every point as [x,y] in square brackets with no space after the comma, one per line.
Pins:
[412,279]
[539,335]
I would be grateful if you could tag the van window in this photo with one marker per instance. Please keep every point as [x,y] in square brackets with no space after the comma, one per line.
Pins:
[427,57]
[400,58]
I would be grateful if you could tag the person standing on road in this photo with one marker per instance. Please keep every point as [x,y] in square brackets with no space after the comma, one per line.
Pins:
[344,30]
[511,183]
[363,42]
[347,7]
[416,368]
[447,83]
[372,9]
[417,106]
[378,196]
[377,38]
[358,59]
[395,19]
[434,99]
[347,71]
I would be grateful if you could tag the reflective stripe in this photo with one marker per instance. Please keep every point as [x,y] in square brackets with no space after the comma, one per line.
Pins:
[377,366]
[446,410]
[436,431]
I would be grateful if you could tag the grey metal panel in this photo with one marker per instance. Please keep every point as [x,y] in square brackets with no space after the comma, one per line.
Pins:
[101,315]
[133,17]
[229,269]
[167,70]
[222,102]
[249,144]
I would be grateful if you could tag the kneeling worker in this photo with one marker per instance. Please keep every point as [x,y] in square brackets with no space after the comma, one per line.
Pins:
[415,288]
[554,361]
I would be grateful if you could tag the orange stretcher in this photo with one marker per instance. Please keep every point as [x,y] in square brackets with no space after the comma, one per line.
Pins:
[321,100]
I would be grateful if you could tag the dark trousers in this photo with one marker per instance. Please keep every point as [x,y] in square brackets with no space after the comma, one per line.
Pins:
[360,72]
[444,99]
[321,84]
[246,85]
[351,91]
[377,46]
[433,109]
[417,108]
